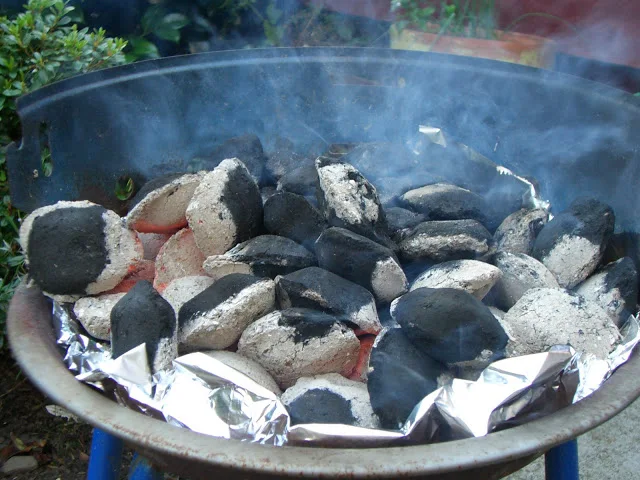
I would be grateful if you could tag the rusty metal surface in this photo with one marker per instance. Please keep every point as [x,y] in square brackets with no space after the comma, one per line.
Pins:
[182,451]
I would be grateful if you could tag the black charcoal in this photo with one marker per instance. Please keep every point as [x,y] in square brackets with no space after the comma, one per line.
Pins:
[440,241]
[329,398]
[520,273]
[573,243]
[247,148]
[292,216]
[614,288]
[265,256]
[225,209]
[449,325]
[181,290]
[361,261]
[77,248]
[400,219]
[283,159]
[143,316]
[473,276]
[320,289]
[447,202]
[295,343]
[216,317]
[517,232]
[400,376]
[303,180]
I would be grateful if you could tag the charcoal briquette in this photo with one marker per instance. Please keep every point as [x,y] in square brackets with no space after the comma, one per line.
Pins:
[143,316]
[473,276]
[292,216]
[247,148]
[517,232]
[361,261]
[449,325]
[400,376]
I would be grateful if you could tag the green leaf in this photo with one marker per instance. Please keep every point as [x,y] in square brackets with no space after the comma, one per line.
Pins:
[169,27]
[141,48]
[271,33]
[152,18]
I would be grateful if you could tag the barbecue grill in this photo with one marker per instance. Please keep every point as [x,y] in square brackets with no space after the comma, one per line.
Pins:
[138,121]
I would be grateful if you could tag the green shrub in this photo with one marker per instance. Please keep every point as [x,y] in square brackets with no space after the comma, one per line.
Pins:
[38,46]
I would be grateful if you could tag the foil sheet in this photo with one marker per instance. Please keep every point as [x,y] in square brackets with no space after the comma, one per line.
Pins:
[209,397]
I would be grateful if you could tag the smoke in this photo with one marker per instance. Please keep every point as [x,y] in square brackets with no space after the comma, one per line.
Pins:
[150,118]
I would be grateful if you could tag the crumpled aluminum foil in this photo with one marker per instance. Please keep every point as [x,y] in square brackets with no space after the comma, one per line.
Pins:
[207,396]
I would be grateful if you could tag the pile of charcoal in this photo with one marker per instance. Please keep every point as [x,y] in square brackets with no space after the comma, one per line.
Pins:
[352,284]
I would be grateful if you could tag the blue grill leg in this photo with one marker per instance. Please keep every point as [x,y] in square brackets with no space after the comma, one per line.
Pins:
[106,456]
[141,469]
[561,462]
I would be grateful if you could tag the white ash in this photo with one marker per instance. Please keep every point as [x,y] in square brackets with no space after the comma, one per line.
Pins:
[355,393]
[152,243]
[287,359]
[614,288]
[179,257]
[245,365]
[94,313]
[474,276]
[520,273]
[572,259]
[216,203]
[388,281]
[517,232]
[164,207]
[181,290]
[221,326]
[218,266]
[348,200]
[165,353]
[440,241]
[124,249]
[544,317]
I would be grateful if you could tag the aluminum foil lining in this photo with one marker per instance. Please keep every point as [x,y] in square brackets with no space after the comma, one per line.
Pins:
[205,395]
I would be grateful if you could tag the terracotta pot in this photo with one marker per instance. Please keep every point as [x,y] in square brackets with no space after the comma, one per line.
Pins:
[510,47]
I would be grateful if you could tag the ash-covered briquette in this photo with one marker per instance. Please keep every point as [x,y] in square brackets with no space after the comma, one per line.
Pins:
[361,261]
[181,290]
[143,316]
[400,376]
[283,159]
[518,232]
[161,204]
[152,243]
[473,276]
[624,244]
[320,289]
[245,365]
[302,180]
[217,316]
[179,257]
[391,167]
[348,200]
[401,219]
[443,201]
[449,325]
[246,148]
[94,314]
[520,273]
[440,241]
[295,343]
[329,398]
[265,256]
[614,288]
[544,317]
[226,208]
[292,216]
[573,243]
[77,248]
